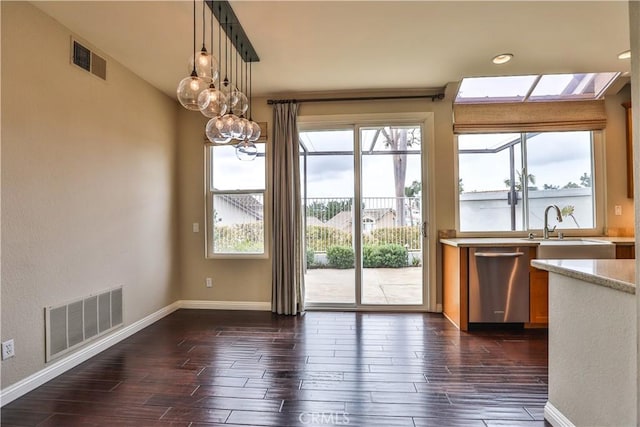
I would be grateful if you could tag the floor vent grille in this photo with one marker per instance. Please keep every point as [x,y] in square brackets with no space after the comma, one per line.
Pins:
[72,324]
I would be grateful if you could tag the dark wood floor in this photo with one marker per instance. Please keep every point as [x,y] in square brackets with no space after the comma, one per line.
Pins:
[203,368]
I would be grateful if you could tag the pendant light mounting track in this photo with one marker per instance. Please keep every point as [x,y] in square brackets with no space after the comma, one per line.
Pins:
[230,23]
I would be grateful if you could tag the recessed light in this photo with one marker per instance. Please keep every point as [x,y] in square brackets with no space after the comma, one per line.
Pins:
[503,58]
[624,55]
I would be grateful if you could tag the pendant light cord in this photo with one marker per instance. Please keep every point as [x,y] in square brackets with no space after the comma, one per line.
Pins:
[219,36]
[193,72]
[211,44]
[204,27]
[226,54]
[250,91]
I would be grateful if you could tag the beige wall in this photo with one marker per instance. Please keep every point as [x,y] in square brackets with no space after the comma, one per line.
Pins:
[233,279]
[88,185]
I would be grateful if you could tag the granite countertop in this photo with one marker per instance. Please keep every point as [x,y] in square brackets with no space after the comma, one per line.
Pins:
[523,241]
[618,274]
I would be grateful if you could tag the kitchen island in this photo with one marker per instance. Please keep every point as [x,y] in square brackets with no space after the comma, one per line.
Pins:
[592,342]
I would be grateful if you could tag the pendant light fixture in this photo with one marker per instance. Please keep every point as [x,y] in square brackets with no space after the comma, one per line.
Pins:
[246,128]
[237,128]
[255,127]
[241,103]
[190,87]
[229,119]
[246,150]
[205,64]
[212,102]
[216,100]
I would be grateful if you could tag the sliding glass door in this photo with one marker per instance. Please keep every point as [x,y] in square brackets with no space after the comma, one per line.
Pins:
[364,221]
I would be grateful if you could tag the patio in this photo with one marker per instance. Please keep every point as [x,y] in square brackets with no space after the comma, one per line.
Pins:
[392,286]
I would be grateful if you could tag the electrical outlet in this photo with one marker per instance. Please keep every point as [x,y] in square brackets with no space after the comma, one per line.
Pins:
[209,282]
[618,210]
[195,227]
[8,349]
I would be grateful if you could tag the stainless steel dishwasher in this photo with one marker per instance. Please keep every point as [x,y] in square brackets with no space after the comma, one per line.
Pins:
[499,285]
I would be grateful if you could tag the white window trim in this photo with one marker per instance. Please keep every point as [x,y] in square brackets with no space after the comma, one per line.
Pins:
[599,183]
[208,207]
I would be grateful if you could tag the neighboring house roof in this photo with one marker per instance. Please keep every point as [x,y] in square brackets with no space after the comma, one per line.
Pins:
[247,204]
[344,218]
[378,213]
[312,220]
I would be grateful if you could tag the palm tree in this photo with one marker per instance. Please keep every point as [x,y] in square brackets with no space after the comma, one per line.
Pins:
[518,186]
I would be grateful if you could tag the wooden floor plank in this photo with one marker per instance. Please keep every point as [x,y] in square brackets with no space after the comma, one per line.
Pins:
[206,368]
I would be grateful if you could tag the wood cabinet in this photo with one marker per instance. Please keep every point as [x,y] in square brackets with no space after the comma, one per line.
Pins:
[455,286]
[538,297]
[625,251]
[455,291]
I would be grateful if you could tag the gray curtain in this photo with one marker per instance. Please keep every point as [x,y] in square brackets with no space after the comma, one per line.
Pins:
[287,275]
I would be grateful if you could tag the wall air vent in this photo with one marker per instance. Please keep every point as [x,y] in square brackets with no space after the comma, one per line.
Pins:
[70,325]
[84,58]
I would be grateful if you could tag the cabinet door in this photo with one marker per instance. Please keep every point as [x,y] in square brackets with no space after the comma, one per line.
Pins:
[538,296]
[625,252]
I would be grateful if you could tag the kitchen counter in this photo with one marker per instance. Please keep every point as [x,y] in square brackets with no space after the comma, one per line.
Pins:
[523,241]
[618,274]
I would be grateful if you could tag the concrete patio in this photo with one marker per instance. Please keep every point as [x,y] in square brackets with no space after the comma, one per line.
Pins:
[393,286]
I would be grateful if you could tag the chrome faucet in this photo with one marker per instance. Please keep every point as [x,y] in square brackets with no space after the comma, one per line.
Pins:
[546,230]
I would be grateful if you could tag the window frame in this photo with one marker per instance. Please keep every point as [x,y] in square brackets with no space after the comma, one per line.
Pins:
[598,183]
[210,193]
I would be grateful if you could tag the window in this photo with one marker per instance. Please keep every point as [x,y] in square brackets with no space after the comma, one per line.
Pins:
[235,202]
[547,87]
[507,180]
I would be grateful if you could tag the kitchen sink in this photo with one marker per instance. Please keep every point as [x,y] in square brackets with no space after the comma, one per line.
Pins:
[575,248]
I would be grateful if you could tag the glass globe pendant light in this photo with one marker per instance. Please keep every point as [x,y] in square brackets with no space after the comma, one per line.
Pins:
[206,65]
[255,127]
[247,130]
[212,102]
[190,87]
[213,131]
[246,150]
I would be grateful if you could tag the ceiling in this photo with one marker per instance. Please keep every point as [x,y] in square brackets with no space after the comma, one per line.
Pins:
[313,46]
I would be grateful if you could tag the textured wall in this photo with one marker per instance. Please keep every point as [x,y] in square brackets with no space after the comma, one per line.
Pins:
[88,185]
[592,353]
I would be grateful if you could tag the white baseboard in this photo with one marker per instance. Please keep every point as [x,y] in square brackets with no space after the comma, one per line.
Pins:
[226,305]
[51,371]
[438,308]
[26,385]
[555,417]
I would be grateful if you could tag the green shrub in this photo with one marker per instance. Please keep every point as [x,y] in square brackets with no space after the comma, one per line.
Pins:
[368,252]
[311,258]
[385,256]
[341,257]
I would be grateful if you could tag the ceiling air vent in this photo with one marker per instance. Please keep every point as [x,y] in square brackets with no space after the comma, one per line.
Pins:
[89,61]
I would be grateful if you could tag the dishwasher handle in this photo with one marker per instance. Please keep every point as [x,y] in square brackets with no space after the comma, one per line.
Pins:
[498,254]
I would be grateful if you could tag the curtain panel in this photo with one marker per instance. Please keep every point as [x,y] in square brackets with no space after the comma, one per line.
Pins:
[287,245]
[529,117]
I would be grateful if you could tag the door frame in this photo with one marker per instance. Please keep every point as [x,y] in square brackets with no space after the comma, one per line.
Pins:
[429,242]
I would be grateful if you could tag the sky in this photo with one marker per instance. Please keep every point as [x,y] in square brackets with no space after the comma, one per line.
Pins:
[553,158]
[333,176]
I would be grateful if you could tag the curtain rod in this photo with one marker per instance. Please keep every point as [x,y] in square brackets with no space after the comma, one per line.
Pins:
[433,98]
